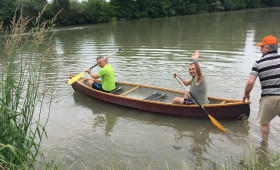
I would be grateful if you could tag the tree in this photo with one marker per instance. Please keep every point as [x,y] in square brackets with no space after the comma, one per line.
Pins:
[56,6]
[271,3]
[240,4]
[31,7]
[126,8]
[7,10]
[97,11]
[253,3]
[229,5]
[77,13]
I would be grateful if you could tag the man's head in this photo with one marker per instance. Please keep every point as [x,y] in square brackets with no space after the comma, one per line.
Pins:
[269,43]
[100,60]
[192,70]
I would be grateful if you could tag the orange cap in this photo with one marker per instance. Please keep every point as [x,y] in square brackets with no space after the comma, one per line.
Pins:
[268,40]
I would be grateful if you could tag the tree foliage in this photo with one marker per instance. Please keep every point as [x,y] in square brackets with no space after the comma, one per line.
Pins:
[98,11]
[7,10]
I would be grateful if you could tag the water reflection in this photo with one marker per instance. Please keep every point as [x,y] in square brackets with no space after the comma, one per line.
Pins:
[192,137]
[263,155]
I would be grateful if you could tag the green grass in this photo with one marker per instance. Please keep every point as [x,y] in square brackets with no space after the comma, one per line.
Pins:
[22,92]
[261,158]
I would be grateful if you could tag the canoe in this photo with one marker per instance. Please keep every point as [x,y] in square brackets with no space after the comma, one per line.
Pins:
[159,100]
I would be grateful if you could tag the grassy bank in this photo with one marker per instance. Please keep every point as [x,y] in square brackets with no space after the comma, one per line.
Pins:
[22,92]
[260,158]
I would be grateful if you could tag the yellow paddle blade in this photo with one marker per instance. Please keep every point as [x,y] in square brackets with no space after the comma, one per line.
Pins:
[214,121]
[72,80]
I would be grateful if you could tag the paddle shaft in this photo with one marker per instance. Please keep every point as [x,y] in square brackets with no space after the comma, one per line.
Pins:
[192,95]
[92,67]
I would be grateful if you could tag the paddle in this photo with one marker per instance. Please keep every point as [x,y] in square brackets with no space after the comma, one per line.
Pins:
[214,121]
[72,80]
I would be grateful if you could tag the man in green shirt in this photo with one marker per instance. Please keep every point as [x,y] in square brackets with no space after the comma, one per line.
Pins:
[107,76]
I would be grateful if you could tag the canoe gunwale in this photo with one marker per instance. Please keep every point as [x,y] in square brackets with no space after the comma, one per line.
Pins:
[226,111]
[236,102]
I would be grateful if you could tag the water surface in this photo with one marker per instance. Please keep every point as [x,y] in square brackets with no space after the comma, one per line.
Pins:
[93,133]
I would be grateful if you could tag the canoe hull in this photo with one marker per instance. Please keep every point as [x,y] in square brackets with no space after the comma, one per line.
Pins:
[218,111]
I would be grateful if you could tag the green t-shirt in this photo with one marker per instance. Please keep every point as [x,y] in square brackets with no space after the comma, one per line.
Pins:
[108,77]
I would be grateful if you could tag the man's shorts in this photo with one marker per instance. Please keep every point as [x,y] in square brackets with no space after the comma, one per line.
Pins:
[269,108]
[188,101]
[98,86]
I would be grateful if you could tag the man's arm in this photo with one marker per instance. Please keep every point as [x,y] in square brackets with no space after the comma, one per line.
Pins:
[95,76]
[249,86]
[186,82]
[199,74]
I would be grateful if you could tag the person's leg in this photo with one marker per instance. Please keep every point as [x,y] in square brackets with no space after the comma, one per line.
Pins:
[266,113]
[265,129]
[95,85]
[178,100]
[187,95]
[90,83]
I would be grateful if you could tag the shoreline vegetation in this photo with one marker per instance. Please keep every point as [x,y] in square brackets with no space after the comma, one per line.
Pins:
[22,97]
[102,11]
[23,90]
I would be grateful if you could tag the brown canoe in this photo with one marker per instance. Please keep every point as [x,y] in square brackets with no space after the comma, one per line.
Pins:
[158,100]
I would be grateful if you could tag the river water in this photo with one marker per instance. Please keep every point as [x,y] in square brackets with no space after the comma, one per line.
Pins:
[89,133]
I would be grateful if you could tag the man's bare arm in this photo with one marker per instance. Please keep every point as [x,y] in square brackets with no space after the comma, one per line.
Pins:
[249,87]
[199,74]
[186,82]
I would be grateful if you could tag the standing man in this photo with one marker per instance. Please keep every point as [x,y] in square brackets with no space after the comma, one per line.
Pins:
[198,84]
[267,68]
[106,73]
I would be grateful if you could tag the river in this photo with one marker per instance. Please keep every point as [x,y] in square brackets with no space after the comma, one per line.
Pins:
[89,133]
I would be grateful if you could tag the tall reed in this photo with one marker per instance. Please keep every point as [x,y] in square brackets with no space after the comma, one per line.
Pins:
[22,91]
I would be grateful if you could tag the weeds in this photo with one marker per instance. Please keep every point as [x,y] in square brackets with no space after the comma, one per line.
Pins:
[20,90]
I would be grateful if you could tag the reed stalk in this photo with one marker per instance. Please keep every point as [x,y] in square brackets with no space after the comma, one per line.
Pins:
[22,92]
